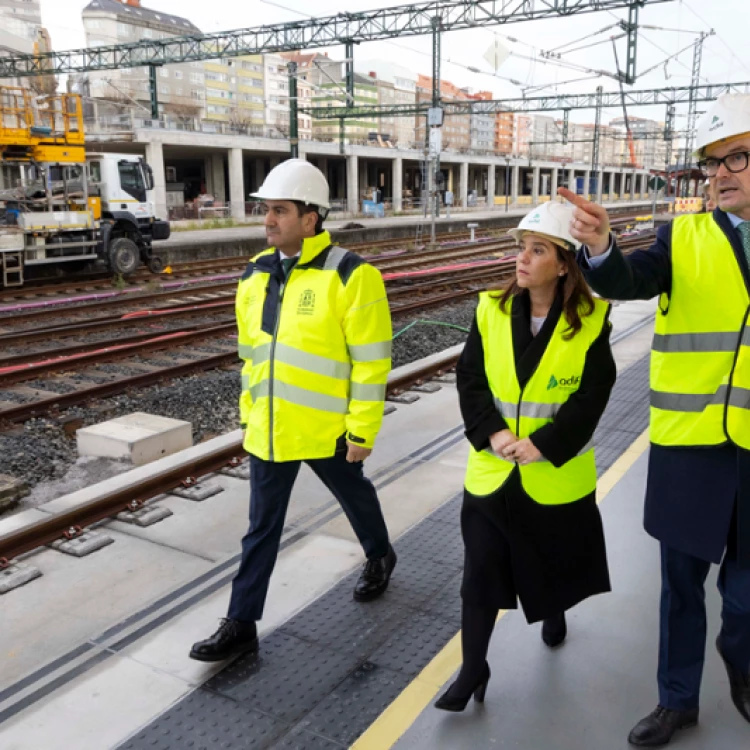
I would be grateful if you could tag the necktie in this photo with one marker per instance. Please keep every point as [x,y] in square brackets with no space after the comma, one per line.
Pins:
[745,232]
[287,263]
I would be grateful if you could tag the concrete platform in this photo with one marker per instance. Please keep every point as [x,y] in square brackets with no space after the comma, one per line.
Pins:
[592,690]
[246,239]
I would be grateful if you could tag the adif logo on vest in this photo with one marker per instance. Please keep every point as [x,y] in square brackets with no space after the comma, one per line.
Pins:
[568,383]
[306,303]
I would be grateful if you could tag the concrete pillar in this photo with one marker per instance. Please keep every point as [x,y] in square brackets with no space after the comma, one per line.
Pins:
[218,179]
[515,180]
[352,184]
[587,183]
[572,180]
[535,185]
[599,186]
[463,184]
[398,184]
[553,185]
[611,194]
[155,159]
[259,171]
[236,184]
[491,186]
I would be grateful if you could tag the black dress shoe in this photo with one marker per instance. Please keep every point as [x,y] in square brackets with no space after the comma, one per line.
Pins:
[375,577]
[554,630]
[231,639]
[449,702]
[739,685]
[659,726]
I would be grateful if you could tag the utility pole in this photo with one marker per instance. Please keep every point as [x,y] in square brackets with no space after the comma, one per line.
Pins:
[435,121]
[597,139]
[293,121]
[687,158]
[153,88]
[668,136]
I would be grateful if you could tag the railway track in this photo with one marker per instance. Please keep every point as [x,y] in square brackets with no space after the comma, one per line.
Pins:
[376,250]
[71,524]
[167,343]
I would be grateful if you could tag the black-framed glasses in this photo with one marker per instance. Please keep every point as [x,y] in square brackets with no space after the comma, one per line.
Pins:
[736,162]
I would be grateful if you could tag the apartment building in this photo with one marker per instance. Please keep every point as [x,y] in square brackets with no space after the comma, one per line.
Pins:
[504,123]
[20,28]
[396,85]
[180,87]
[482,126]
[456,130]
[234,93]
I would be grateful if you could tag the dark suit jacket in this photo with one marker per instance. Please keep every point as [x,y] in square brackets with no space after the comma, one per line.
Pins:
[691,495]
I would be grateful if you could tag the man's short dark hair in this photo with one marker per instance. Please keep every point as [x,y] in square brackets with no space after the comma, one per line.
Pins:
[308,208]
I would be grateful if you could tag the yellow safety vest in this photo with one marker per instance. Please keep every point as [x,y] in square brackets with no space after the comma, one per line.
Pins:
[557,376]
[317,352]
[700,359]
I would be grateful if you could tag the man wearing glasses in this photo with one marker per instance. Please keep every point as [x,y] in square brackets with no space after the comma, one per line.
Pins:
[698,489]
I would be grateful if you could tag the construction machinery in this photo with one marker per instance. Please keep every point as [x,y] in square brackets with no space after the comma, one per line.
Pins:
[64,209]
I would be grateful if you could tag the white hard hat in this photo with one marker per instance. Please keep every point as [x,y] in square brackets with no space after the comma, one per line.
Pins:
[552,220]
[726,118]
[295,180]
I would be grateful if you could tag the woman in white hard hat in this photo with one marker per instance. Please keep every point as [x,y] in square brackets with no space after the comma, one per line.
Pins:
[533,381]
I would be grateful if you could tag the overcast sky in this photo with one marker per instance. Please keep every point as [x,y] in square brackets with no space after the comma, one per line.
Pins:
[726,55]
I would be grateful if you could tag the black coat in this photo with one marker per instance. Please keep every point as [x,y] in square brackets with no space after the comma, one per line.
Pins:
[557,553]
[691,493]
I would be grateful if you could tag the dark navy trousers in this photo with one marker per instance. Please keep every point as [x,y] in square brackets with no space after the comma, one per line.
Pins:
[682,632]
[270,488]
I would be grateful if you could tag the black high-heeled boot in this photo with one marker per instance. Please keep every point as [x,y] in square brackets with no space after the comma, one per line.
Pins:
[554,630]
[448,702]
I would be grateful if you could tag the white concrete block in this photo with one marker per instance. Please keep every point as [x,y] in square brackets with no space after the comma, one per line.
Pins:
[139,437]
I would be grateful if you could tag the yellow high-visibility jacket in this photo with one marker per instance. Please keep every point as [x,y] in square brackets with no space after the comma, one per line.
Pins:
[700,357]
[526,410]
[316,347]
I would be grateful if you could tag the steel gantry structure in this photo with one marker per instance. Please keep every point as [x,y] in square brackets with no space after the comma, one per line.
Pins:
[557,102]
[353,28]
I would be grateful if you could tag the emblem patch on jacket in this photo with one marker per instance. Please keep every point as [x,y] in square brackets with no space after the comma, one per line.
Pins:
[306,304]
[566,383]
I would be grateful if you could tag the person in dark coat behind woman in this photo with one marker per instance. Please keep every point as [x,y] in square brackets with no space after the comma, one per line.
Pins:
[533,381]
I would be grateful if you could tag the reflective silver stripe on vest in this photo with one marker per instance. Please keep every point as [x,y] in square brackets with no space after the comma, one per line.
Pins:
[301,396]
[335,256]
[685,343]
[245,351]
[530,409]
[261,354]
[368,391]
[739,398]
[746,336]
[316,363]
[290,355]
[245,382]
[687,402]
[371,352]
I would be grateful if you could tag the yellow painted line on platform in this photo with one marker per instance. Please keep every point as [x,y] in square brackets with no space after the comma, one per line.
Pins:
[393,723]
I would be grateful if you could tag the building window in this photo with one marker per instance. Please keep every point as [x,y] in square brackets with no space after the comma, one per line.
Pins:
[164,90]
[164,72]
[196,94]
[123,29]
[178,74]
[196,77]
[148,34]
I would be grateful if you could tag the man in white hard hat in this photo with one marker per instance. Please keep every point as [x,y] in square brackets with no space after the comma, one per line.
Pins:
[698,489]
[314,331]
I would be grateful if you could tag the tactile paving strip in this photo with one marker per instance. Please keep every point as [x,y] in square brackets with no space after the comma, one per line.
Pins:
[320,680]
